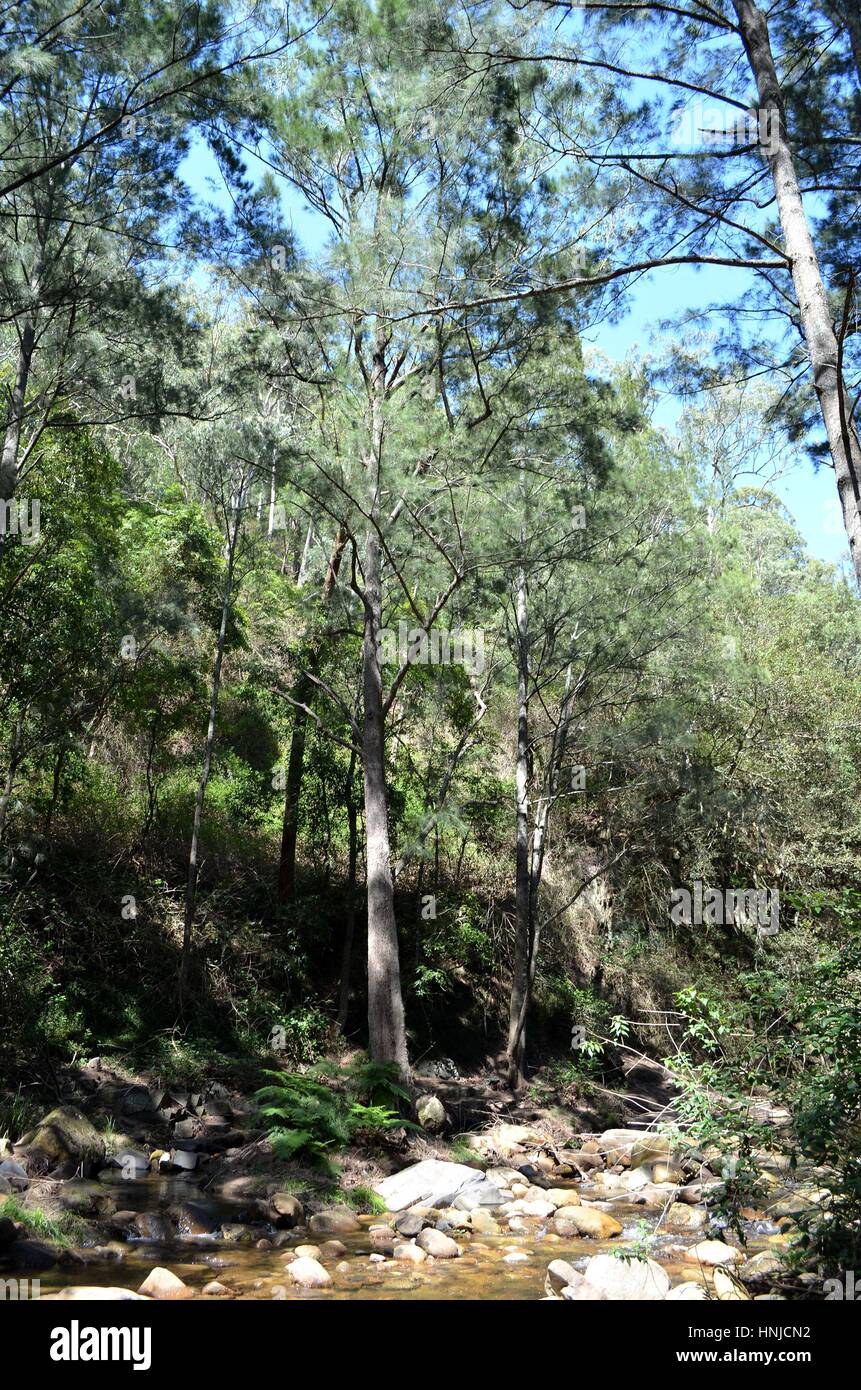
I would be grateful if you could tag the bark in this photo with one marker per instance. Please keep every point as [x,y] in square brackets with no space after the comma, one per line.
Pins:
[849,14]
[14,759]
[12,437]
[821,340]
[304,691]
[350,921]
[215,689]
[523,915]
[386,1031]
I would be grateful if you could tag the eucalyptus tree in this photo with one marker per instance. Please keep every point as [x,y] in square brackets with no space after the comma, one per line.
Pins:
[418,195]
[723,170]
[99,105]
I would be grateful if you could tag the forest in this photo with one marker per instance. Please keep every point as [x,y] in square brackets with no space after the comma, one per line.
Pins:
[430,650]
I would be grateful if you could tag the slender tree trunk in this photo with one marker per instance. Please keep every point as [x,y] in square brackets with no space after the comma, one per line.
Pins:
[386,1030]
[304,691]
[523,913]
[350,922]
[822,343]
[849,14]
[215,688]
[14,759]
[12,437]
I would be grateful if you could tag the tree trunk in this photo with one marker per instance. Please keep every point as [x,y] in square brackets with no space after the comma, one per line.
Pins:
[523,913]
[215,688]
[386,1031]
[303,693]
[12,437]
[14,759]
[350,922]
[819,335]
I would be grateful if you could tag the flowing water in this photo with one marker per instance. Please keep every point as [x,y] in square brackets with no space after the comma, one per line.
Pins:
[484,1271]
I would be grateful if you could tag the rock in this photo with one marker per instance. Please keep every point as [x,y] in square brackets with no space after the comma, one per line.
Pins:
[513,1137]
[411,1254]
[766,1262]
[65,1135]
[435,1243]
[33,1255]
[342,1268]
[531,1207]
[433,1182]
[8,1230]
[695,1192]
[638,1177]
[560,1274]
[666,1172]
[582,1293]
[581,1159]
[688,1292]
[85,1293]
[502,1177]
[236,1233]
[131,1163]
[332,1250]
[478,1193]
[309,1273]
[728,1289]
[713,1252]
[517,1257]
[618,1143]
[216,1290]
[651,1148]
[681,1217]
[195,1218]
[562,1196]
[164,1284]
[627,1280]
[153,1225]
[482,1222]
[307,1252]
[183,1160]
[286,1210]
[585,1221]
[431,1113]
[137,1101]
[334,1221]
[14,1174]
[410,1223]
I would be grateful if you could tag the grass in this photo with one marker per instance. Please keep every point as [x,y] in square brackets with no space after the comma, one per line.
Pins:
[18,1114]
[65,1231]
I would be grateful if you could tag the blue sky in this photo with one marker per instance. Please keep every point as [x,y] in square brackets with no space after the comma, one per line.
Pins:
[810,496]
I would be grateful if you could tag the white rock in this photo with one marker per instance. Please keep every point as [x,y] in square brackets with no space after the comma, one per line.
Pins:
[431,1183]
[627,1280]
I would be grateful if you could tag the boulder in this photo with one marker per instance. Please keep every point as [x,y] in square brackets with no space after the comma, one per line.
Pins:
[436,1243]
[618,1143]
[651,1148]
[410,1253]
[164,1284]
[64,1136]
[286,1210]
[766,1262]
[714,1252]
[627,1280]
[409,1223]
[216,1290]
[334,1221]
[681,1217]
[728,1289]
[433,1182]
[34,1255]
[85,1293]
[482,1222]
[431,1113]
[585,1221]
[688,1292]
[14,1174]
[480,1192]
[309,1273]
[153,1225]
[560,1274]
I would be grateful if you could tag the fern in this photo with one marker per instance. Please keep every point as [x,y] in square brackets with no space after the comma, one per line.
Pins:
[324,1107]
